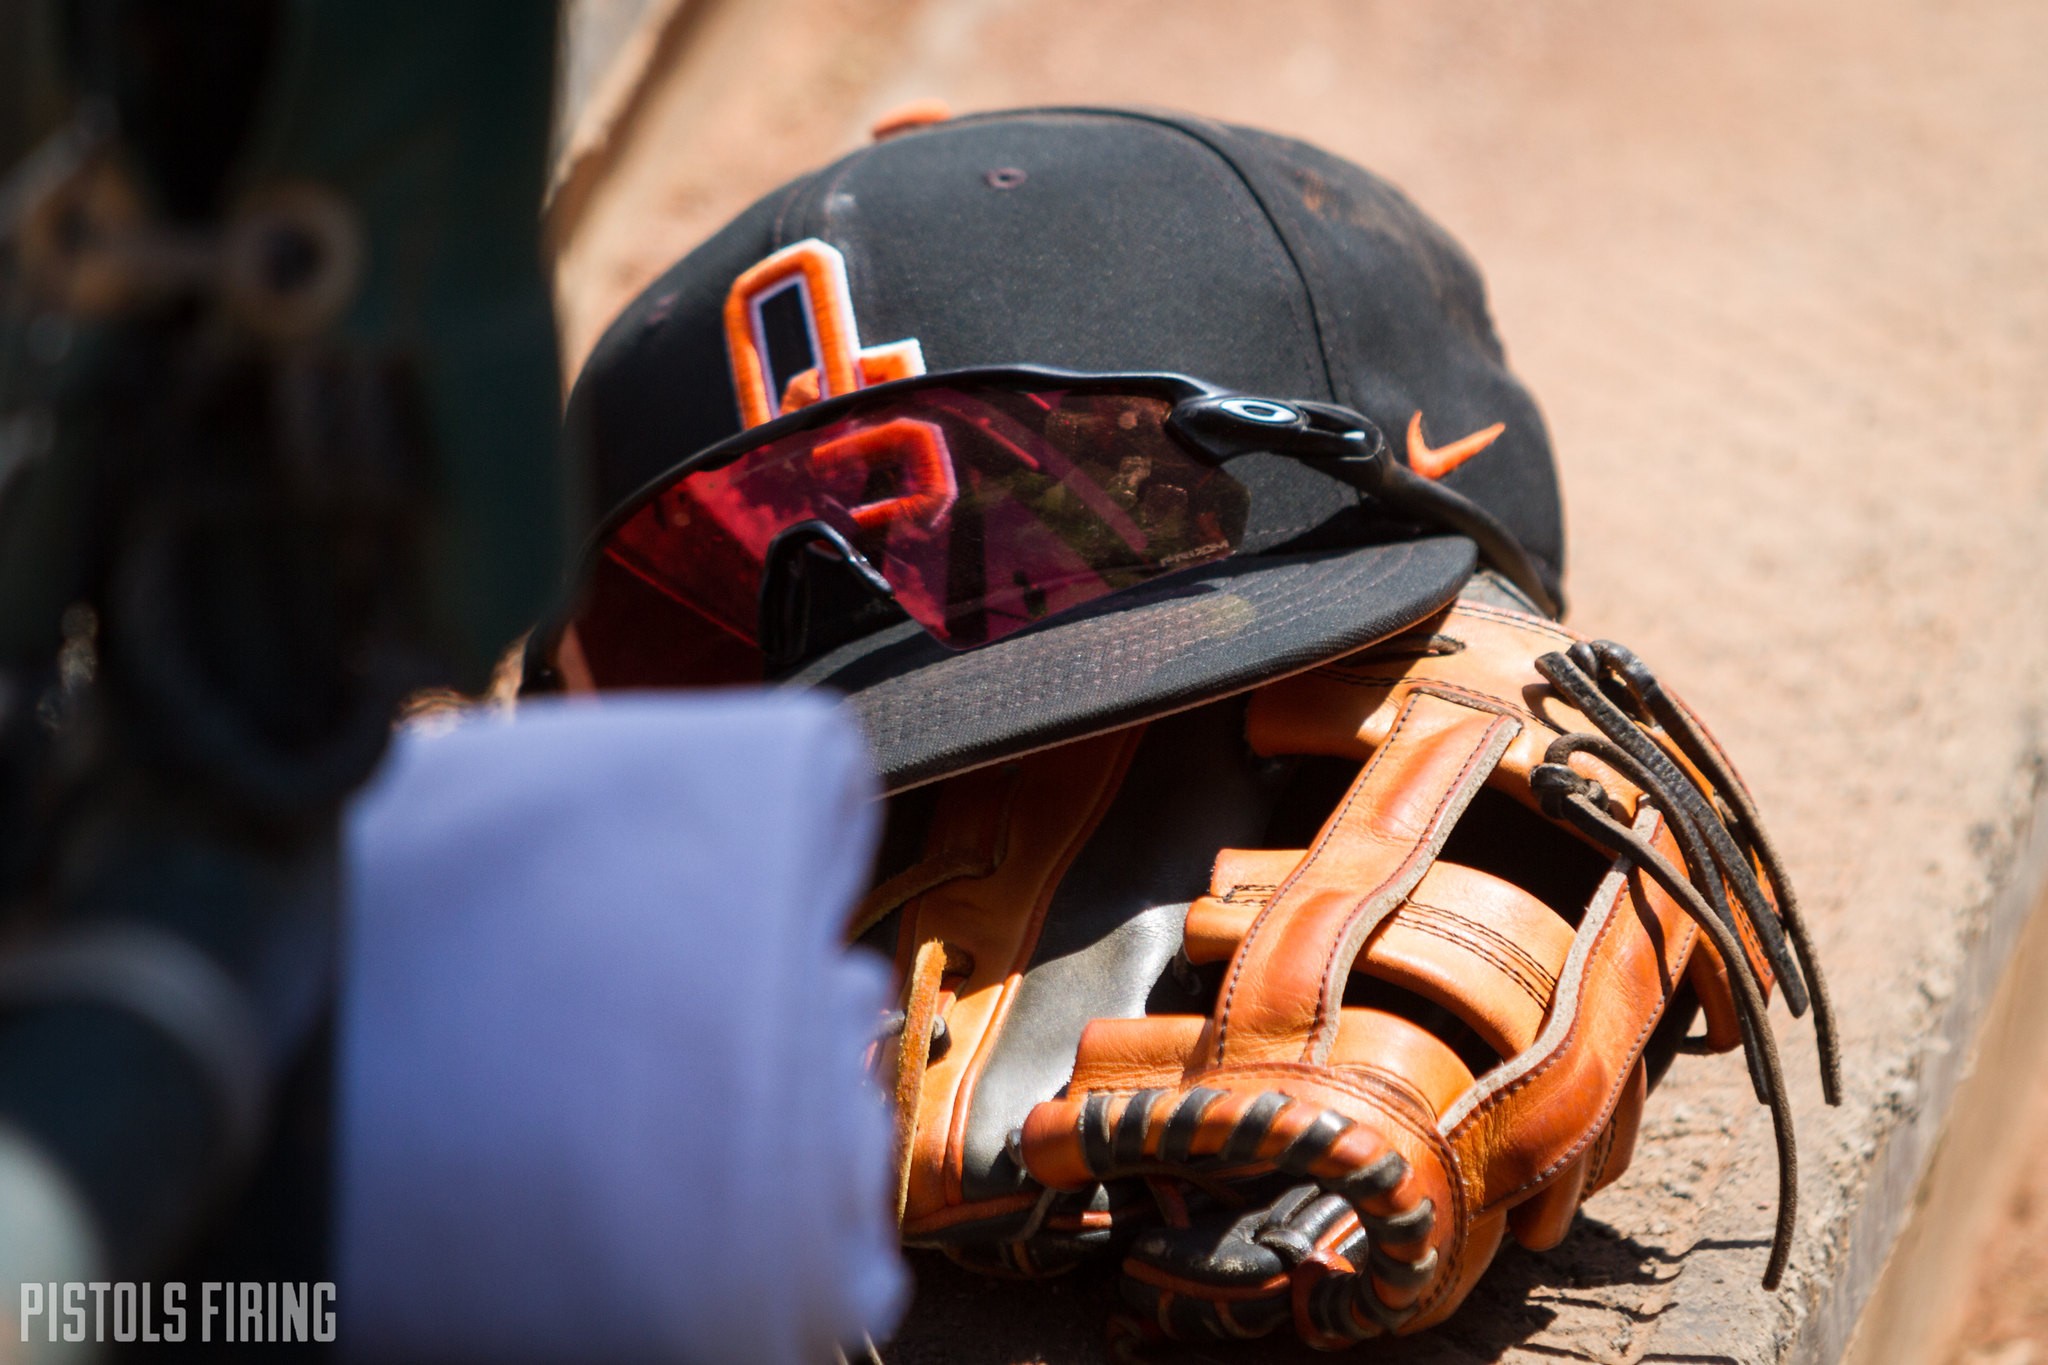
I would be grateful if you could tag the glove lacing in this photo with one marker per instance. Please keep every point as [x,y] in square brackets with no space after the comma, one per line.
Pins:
[1717,830]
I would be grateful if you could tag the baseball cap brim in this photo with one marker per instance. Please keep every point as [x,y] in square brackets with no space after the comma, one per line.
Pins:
[1196,637]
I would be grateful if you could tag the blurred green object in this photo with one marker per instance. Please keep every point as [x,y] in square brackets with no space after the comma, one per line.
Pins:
[425,128]
[278,414]
[440,142]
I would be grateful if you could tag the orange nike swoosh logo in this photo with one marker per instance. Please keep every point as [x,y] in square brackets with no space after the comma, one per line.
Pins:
[1434,464]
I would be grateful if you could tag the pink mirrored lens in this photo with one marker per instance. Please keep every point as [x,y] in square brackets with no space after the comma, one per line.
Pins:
[985,509]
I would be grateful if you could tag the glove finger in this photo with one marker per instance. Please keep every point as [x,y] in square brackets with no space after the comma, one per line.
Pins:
[1237,1275]
[1213,1280]
[1611,1154]
[1207,1133]
[1541,1221]
[1708,976]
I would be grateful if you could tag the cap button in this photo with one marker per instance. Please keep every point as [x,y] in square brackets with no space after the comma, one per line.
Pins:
[907,118]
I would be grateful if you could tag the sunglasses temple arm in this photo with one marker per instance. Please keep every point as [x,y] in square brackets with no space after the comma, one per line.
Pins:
[1351,447]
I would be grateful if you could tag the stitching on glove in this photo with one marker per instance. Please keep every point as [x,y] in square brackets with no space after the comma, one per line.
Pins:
[1488,753]
[1600,911]
[1483,941]
[1330,826]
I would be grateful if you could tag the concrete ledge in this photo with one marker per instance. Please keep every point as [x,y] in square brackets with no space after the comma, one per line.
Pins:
[1894,1241]
[1937,1183]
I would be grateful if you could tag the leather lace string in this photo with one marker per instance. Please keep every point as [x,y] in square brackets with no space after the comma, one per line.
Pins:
[1716,857]
[1685,731]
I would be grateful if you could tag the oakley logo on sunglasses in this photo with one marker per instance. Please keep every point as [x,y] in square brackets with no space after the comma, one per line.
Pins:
[1261,410]
[791,337]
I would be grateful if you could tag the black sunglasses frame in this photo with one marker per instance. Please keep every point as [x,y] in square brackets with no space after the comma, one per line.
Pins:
[1215,424]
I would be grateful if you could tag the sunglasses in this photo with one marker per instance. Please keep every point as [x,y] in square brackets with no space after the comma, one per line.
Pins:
[977,503]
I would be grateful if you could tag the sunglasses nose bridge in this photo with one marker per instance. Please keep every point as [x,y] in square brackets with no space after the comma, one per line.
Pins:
[783,624]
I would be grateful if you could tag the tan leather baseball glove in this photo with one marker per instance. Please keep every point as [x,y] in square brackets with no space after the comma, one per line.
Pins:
[1306,1002]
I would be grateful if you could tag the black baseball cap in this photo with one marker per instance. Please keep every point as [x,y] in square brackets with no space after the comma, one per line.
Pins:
[1102,241]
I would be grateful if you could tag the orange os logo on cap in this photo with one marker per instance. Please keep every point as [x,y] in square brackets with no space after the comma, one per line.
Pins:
[791,336]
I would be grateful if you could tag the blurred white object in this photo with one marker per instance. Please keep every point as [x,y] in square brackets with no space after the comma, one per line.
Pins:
[600,1092]
[46,1237]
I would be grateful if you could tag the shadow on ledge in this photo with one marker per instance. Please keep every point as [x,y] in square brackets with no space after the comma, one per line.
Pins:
[965,1319]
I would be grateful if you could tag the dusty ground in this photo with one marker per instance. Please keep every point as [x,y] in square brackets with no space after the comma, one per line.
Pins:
[1778,272]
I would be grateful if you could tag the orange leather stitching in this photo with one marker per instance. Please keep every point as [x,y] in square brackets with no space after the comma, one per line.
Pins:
[1329,829]
[1689,937]
[1439,687]
[1325,1020]
[1503,951]
[1494,727]
[1524,971]
[1410,1111]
